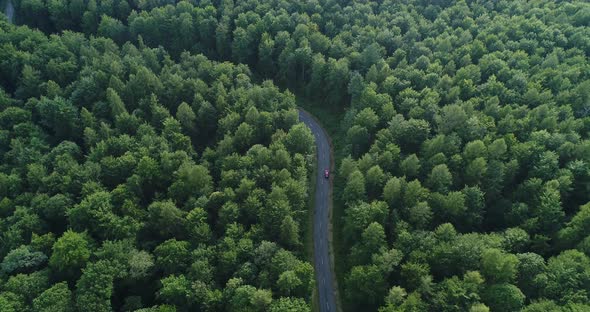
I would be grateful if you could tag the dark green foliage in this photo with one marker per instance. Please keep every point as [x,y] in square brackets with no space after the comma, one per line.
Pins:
[140,183]
[504,297]
[22,260]
[464,148]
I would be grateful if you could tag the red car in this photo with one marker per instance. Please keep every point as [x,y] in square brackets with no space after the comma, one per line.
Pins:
[326,173]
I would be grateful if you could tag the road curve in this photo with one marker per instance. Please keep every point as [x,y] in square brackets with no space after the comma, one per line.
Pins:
[321,217]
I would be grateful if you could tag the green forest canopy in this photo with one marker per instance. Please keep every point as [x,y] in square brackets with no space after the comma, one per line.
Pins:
[119,194]
[131,161]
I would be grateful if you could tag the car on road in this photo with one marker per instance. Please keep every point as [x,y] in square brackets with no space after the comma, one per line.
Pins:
[326,173]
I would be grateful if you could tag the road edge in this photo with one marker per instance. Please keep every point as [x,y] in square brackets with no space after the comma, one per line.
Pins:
[330,212]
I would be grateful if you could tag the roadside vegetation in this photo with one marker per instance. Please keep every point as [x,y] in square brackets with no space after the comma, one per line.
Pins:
[461,131]
[131,181]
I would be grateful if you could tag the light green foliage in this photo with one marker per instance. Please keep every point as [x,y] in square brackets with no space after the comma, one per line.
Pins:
[414,274]
[58,298]
[98,214]
[566,275]
[420,215]
[191,180]
[375,179]
[373,242]
[289,305]
[112,28]
[392,191]
[140,264]
[464,148]
[479,307]
[246,297]
[451,118]
[474,150]
[10,302]
[410,166]
[186,116]
[395,296]
[498,267]
[70,253]
[289,231]
[455,294]
[355,187]
[175,290]
[152,199]
[299,140]
[476,170]
[95,287]
[172,256]
[577,228]
[364,284]
[60,117]
[28,286]
[440,178]
[360,215]
[367,119]
[198,228]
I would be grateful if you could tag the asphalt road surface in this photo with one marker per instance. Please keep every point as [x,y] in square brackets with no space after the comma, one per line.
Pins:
[9,11]
[321,221]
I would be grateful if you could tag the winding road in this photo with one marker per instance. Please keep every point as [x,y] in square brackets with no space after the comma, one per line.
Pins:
[321,217]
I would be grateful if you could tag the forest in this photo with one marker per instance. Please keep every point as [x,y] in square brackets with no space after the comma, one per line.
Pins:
[152,158]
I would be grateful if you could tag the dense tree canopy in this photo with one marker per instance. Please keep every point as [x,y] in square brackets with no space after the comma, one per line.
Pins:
[129,181]
[131,160]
